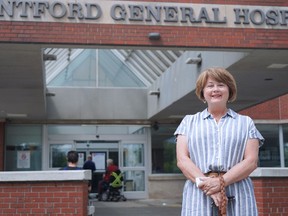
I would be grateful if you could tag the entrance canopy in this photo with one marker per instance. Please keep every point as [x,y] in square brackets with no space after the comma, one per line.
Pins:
[26,69]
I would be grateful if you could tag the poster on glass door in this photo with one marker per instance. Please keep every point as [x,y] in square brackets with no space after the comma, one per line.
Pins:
[99,159]
[23,159]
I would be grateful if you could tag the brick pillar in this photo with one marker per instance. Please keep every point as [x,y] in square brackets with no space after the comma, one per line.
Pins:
[271,191]
[42,193]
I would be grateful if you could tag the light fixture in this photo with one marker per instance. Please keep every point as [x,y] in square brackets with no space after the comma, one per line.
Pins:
[156,92]
[16,115]
[3,114]
[155,126]
[50,94]
[197,60]
[277,66]
[268,79]
[154,36]
[49,57]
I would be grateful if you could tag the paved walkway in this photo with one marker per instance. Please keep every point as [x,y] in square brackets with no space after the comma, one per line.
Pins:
[148,207]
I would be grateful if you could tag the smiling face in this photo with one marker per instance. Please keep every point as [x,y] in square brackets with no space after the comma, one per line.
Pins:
[216,85]
[215,93]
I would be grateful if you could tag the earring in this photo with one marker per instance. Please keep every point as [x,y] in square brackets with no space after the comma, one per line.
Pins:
[204,101]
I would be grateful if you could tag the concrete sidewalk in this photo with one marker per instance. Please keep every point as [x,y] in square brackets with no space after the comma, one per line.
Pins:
[149,207]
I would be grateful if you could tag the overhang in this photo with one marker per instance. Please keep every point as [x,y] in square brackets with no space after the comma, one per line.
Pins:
[260,74]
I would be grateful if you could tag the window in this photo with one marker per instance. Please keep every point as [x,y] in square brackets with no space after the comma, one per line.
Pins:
[285,140]
[269,153]
[58,154]
[92,68]
[23,147]
[134,180]
[164,149]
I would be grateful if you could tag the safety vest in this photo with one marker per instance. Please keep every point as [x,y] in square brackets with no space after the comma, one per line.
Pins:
[117,181]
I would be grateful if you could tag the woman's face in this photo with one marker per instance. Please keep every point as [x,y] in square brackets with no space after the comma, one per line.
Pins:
[215,93]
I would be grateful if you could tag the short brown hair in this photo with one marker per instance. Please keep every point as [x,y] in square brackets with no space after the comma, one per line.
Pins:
[220,75]
[72,156]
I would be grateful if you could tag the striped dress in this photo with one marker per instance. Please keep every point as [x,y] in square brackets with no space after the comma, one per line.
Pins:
[218,147]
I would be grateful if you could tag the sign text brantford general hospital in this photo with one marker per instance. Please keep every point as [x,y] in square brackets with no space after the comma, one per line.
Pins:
[144,13]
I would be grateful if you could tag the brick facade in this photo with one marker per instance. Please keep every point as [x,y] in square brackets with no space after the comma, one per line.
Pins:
[274,109]
[137,35]
[272,196]
[133,35]
[58,197]
[70,198]
[42,199]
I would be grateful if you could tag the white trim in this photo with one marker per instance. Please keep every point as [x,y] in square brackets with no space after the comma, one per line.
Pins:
[270,172]
[166,177]
[59,175]
[281,146]
[274,121]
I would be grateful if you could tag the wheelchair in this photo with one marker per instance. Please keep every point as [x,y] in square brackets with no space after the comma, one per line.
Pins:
[112,191]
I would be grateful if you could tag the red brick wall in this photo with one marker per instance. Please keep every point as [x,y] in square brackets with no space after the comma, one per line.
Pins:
[269,110]
[71,198]
[284,107]
[275,109]
[44,198]
[271,196]
[137,35]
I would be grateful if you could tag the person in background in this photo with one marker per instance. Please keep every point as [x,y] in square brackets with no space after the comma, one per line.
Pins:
[90,165]
[217,150]
[111,167]
[72,160]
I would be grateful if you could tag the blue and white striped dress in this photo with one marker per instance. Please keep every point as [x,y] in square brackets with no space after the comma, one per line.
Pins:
[218,147]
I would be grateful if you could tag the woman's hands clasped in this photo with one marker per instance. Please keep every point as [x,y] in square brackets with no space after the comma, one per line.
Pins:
[211,187]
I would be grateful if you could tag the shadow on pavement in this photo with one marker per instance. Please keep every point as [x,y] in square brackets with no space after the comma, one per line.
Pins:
[137,208]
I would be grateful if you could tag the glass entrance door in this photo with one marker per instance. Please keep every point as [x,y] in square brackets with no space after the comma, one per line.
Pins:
[133,167]
[127,145]
[130,157]
[100,152]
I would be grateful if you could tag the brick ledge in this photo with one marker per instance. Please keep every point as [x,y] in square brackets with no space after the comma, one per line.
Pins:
[270,172]
[22,176]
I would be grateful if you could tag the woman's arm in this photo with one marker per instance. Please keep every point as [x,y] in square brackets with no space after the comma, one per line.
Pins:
[238,172]
[188,168]
[249,163]
[184,163]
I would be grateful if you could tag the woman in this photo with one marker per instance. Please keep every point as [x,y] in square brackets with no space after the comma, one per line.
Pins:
[220,148]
